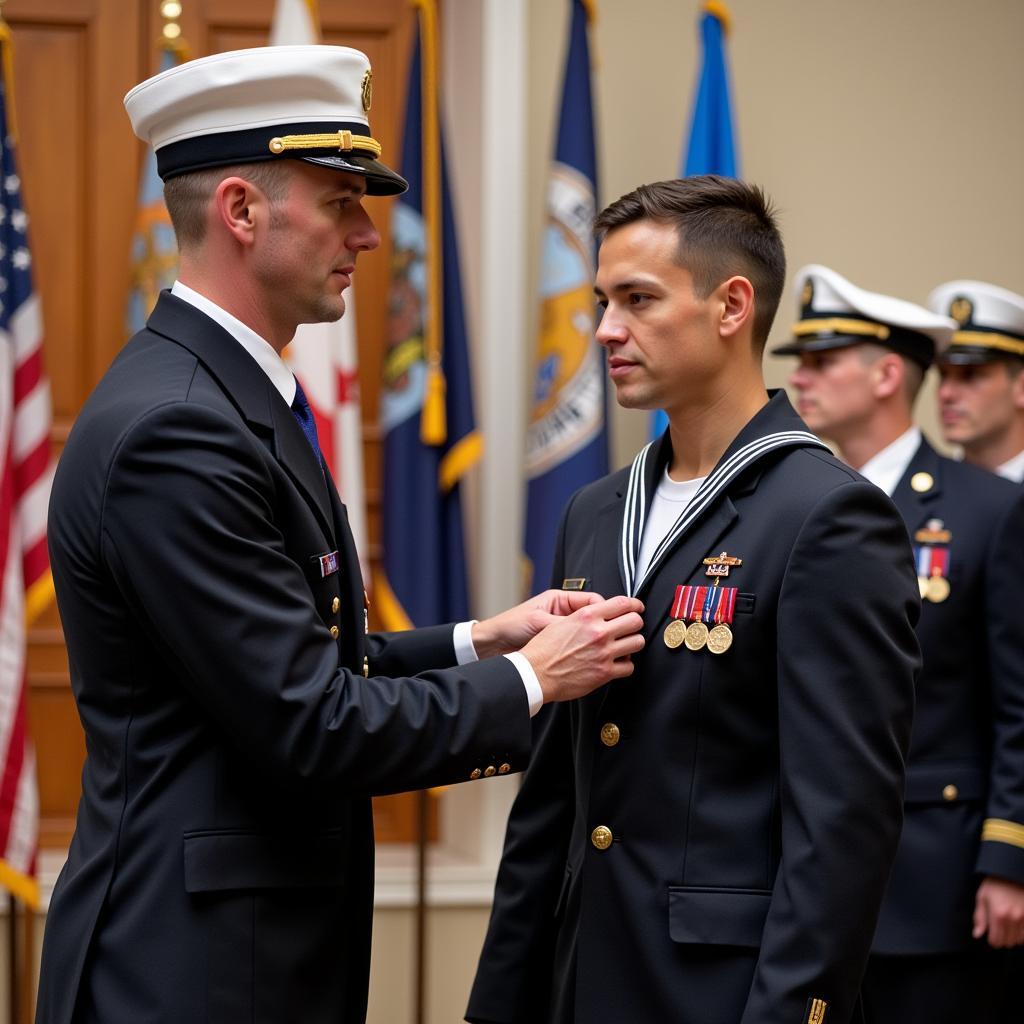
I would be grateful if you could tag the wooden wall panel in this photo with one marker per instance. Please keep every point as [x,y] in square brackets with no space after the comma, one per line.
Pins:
[80,163]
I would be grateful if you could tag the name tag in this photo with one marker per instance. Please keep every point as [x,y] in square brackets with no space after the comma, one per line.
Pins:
[574,583]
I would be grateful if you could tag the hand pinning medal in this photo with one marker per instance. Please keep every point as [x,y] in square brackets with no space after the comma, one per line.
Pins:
[709,610]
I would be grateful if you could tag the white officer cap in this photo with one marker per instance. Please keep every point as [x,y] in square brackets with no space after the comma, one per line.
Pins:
[835,313]
[990,321]
[268,103]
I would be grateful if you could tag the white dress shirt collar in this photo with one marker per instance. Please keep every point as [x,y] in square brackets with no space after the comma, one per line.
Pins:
[1013,469]
[885,469]
[259,348]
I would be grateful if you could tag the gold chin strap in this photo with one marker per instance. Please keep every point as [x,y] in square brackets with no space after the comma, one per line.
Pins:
[343,140]
[839,325]
[1001,342]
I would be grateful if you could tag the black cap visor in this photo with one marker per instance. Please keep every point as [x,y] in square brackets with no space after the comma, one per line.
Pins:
[972,355]
[380,179]
[795,346]
[918,347]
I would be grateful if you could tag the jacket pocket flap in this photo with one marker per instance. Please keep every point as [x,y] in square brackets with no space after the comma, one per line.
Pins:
[950,782]
[216,861]
[717,917]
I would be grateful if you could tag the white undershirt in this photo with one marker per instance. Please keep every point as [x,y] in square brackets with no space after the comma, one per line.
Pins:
[885,469]
[1013,469]
[271,363]
[669,503]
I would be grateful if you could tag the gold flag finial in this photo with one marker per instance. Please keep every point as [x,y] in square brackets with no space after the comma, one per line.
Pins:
[170,34]
[718,9]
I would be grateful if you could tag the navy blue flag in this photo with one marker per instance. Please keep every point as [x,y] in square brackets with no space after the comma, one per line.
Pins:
[567,439]
[430,440]
[711,148]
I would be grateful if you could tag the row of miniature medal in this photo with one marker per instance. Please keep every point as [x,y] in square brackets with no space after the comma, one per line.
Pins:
[931,556]
[709,610]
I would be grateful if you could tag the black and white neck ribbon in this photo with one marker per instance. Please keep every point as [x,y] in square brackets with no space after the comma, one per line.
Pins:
[635,513]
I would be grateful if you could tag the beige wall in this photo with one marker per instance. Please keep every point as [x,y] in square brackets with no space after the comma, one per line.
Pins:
[887,132]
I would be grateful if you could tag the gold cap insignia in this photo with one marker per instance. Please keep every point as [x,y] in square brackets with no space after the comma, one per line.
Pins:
[367,91]
[807,295]
[961,309]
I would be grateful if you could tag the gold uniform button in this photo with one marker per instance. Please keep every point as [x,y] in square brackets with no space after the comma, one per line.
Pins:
[950,792]
[602,837]
[489,771]
[610,734]
[504,769]
[335,605]
[922,482]
[335,631]
[475,774]
[366,667]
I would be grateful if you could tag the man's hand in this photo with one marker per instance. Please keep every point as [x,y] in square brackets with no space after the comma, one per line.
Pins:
[509,630]
[999,910]
[582,651]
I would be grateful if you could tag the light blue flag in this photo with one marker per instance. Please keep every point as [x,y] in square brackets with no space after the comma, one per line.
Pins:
[711,148]
[154,249]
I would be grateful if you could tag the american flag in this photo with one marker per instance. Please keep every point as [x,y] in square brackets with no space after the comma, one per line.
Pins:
[26,587]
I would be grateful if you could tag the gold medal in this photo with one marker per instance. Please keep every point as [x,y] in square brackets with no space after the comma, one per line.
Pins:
[719,639]
[696,636]
[938,589]
[675,633]
[922,585]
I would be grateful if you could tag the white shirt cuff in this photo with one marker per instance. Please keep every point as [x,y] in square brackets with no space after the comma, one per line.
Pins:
[462,639]
[534,694]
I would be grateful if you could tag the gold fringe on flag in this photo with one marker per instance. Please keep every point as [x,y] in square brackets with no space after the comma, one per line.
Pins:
[7,45]
[433,423]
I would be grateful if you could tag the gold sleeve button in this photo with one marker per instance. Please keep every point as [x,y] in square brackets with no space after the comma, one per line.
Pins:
[504,769]
[475,774]
[489,771]
[950,792]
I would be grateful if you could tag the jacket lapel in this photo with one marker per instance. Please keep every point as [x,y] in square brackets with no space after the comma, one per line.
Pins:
[919,487]
[250,391]
[775,417]
[351,585]
[685,559]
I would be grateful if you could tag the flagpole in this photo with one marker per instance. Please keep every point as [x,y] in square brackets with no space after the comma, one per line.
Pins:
[422,818]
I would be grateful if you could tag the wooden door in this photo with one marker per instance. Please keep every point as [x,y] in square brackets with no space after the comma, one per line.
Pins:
[80,162]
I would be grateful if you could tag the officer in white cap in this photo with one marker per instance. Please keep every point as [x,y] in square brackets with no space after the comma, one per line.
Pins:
[956,893]
[981,397]
[238,719]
